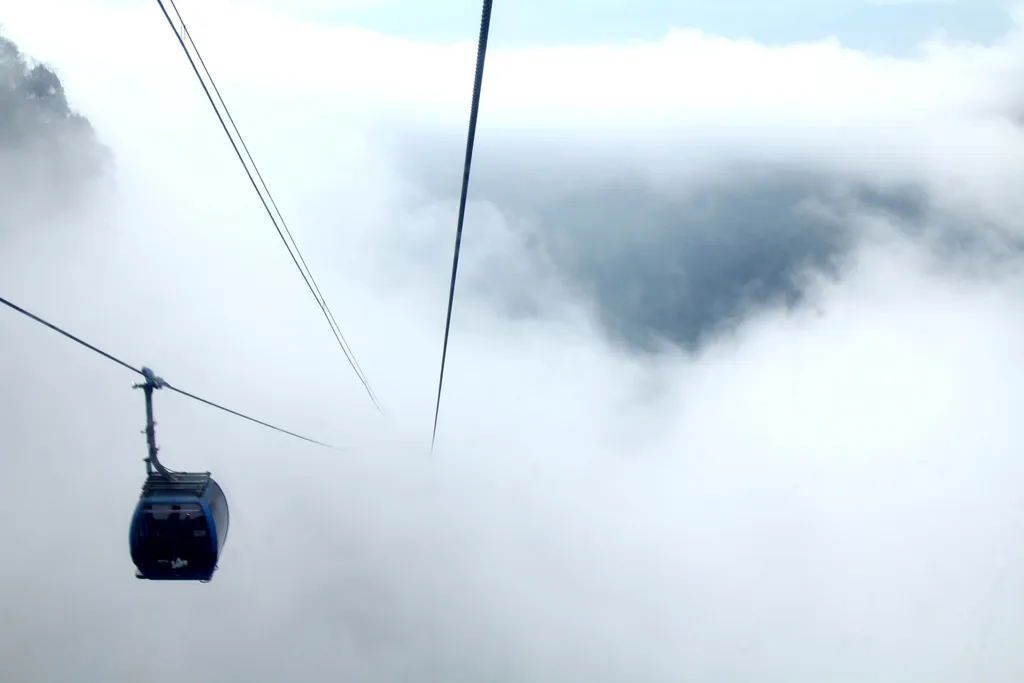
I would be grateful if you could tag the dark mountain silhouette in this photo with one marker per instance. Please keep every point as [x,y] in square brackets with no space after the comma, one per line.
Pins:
[49,153]
[683,268]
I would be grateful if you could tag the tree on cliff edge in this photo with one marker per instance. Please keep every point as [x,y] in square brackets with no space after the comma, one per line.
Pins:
[49,153]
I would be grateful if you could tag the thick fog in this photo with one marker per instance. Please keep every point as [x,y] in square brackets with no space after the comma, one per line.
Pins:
[732,390]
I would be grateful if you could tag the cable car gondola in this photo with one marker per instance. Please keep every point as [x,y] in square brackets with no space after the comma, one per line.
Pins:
[181,520]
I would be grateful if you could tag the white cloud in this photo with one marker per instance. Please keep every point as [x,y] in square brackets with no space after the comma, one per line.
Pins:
[707,99]
[822,497]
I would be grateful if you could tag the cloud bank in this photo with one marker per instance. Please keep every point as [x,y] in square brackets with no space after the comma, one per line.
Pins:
[731,390]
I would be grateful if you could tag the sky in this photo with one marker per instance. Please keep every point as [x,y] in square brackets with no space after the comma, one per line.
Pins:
[881,26]
[735,360]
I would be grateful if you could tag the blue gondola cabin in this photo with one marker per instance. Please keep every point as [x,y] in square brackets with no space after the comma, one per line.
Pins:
[179,527]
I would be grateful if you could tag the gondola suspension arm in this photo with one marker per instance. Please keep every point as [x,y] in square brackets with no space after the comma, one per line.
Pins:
[151,384]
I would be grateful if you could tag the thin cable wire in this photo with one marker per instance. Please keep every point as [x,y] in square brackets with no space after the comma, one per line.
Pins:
[70,336]
[244,416]
[284,223]
[301,266]
[481,53]
[138,371]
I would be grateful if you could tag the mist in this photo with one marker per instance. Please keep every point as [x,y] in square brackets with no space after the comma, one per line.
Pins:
[730,393]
